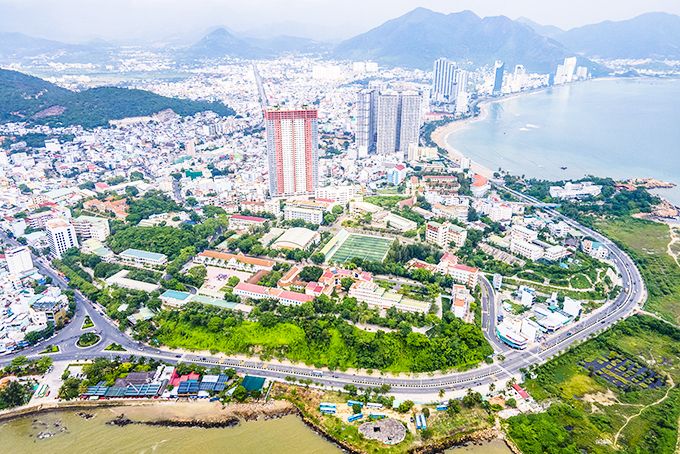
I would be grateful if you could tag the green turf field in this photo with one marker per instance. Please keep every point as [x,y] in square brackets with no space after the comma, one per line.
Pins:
[365,247]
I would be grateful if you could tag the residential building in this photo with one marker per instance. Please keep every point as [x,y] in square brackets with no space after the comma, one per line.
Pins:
[464,274]
[458,212]
[499,212]
[61,235]
[239,222]
[417,153]
[19,260]
[444,234]
[560,229]
[292,151]
[144,258]
[528,250]
[92,227]
[398,122]
[498,70]
[269,206]
[306,214]
[365,132]
[448,80]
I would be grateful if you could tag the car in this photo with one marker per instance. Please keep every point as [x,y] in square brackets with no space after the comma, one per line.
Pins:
[178,356]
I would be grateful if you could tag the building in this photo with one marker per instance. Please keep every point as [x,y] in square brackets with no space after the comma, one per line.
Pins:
[144,258]
[479,186]
[511,337]
[464,274]
[500,212]
[498,70]
[308,215]
[240,222]
[565,72]
[575,191]
[19,260]
[416,153]
[518,78]
[285,297]
[519,232]
[269,206]
[448,80]
[61,235]
[375,296]
[555,253]
[237,262]
[398,122]
[396,175]
[92,227]
[560,229]
[595,249]
[292,151]
[444,234]
[528,250]
[341,194]
[118,207]
[297,238]
[458,212]
[365,140]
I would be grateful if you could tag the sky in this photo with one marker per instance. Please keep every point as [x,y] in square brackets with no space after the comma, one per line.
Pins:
[121,20]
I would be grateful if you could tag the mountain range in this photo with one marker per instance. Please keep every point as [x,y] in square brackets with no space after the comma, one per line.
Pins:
[28,98]
[415,40]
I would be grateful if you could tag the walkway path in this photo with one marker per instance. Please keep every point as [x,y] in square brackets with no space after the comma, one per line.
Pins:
[616,438]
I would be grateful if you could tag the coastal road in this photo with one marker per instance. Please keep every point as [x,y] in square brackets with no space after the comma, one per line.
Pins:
[426,384]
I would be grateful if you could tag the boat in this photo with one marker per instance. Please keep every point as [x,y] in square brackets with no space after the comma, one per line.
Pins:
[563,168]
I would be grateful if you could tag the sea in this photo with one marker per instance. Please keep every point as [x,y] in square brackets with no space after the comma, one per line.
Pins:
[619,128]
[287,435]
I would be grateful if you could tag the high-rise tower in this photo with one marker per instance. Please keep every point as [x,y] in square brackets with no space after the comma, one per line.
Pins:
[292,151]
[499,68]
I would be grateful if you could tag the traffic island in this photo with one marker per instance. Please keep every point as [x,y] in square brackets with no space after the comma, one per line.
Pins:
[88,340]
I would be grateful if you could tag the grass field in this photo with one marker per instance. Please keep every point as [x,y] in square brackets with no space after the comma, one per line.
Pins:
[365,247]
[649,243]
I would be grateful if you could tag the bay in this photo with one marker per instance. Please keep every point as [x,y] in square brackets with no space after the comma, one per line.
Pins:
[621,128]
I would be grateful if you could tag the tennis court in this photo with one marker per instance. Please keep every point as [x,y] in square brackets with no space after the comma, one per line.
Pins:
[366,247]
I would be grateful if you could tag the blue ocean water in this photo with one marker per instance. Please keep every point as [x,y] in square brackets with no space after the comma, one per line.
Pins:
[620,128]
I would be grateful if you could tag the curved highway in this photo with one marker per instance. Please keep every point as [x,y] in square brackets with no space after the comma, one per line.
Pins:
[425,383]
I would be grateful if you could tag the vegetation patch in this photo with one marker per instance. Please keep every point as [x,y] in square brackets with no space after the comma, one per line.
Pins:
[88,340]
[87,323]
[49,349]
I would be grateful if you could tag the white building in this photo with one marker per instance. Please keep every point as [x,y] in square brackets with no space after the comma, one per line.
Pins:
[528,250]
[571,307]
[559,229]
[341,194]
[479,186]
[375,296]
[575,191]
[92,227]
[444,234]
[61,236]
[555,253]
[519,232]
[308,215]
[19,260]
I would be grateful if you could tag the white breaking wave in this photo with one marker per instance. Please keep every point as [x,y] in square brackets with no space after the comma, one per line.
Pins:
[533,126]
[524,129]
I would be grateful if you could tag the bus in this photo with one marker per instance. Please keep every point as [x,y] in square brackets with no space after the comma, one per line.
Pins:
[374,405]
[317,373]
[354,417]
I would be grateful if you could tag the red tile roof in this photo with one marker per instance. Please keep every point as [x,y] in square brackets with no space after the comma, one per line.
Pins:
[248,218]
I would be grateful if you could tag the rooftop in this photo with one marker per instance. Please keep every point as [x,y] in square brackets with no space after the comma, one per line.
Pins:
[142,254]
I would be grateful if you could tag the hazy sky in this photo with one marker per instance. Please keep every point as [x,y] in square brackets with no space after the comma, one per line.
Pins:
[138,19]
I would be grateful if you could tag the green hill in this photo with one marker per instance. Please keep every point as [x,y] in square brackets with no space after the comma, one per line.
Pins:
[28,98]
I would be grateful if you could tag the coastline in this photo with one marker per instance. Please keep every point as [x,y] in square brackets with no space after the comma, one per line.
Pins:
[204,414]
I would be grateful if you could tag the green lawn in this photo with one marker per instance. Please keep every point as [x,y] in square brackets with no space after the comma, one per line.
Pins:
[580,281]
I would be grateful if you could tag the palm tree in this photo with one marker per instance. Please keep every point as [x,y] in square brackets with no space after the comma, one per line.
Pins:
[492,386]
[441,393]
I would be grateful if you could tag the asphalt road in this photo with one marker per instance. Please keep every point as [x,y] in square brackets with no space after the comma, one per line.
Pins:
[625,304]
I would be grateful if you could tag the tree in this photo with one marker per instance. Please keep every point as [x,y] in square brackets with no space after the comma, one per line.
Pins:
[351,389]
[131,191]
[405,406]
[191,201]
[492,386]
[310,273]
[356,409]
[337,209]
[240,393]
[346,283]
[19,361]
[233,281]
[317,258]
[13,395]
[70,389]
[255,393]
[136,175]
[511,403]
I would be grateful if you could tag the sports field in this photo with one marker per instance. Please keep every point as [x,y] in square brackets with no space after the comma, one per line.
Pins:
[365,247]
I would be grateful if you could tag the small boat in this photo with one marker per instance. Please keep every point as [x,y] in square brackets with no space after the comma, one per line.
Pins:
[563,168]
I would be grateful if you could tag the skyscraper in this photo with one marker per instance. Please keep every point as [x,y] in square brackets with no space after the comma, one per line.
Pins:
[518,78]
[448,80]
[499,68]
[292,150]
[365,127]
[565,72]
[398,122]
